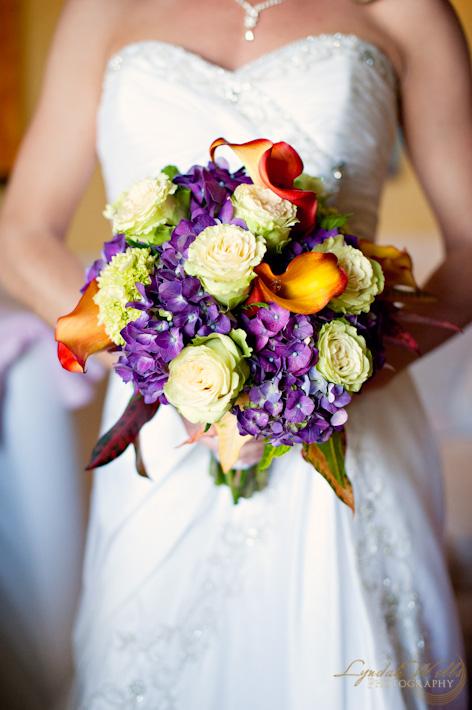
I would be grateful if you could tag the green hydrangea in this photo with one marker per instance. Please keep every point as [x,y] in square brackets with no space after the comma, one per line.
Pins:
[117,286]
[308,182]
[365,277]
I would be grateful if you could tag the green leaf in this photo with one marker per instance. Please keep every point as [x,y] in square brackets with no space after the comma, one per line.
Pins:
[270,453]
[137,245]
[257,304]
[334,221]
[153,239]
[239,336]
[329,460]
[160,235]
[171,171]
[183,198]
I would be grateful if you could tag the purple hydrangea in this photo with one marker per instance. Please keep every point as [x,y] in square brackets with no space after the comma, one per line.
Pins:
[210,187]
[175,309]
[288,400]
[308,242]
[175,306]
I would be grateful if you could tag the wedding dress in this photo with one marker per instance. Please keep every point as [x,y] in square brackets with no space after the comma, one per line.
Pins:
[190,602]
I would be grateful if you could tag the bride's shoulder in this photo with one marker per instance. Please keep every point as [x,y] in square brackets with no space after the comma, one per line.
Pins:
[422,31]
[84,34]
[93,22]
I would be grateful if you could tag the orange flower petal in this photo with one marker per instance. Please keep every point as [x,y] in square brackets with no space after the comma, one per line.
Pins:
[249,153]
[309,283]
[79,335]
[279,166]
[396,263]
[230,441]
[275,165]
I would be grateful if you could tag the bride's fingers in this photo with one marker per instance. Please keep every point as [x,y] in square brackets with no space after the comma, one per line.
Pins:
[250,453]
[211,442]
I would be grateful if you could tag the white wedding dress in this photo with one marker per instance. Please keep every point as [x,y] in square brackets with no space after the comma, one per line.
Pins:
[190,602]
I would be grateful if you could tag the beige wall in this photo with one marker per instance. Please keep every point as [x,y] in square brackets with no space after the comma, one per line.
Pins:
[405,217]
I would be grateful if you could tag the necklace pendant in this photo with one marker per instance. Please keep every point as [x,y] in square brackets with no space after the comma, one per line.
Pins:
[250,21]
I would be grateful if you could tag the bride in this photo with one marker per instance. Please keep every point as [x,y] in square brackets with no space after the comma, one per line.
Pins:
[285,601]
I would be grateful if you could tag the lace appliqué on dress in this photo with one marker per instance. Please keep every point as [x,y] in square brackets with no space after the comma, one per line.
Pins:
[385,562]
[154,661]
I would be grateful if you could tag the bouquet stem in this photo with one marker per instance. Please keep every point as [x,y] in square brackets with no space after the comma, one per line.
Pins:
[242,482]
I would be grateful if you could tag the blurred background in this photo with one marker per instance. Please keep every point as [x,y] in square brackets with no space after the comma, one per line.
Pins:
[43,498]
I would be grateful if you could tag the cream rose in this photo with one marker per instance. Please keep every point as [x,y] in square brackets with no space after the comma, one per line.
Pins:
[223,257]
[365,277]
[265,213]
[207,376]
[343,355]
[147,205]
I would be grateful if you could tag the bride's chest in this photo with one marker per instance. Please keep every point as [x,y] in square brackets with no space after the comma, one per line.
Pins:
[333,97]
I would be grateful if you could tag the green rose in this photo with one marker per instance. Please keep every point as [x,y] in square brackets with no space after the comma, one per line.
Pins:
[344,357]
[117,287]
[146,206]
[265,213]
[207,376]
[365,277]
[223,258]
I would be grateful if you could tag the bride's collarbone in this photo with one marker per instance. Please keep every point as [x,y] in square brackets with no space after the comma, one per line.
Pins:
[294,20]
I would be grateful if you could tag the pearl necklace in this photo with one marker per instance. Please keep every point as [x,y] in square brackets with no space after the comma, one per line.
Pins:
[251,15]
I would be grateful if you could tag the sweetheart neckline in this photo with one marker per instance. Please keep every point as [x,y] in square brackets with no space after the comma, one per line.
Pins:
[258,61]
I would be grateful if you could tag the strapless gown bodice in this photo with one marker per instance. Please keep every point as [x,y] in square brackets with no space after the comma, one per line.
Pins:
[190,601]
[333,97]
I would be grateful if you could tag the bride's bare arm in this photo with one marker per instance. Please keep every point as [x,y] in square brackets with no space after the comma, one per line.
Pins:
[54,165]
[436,112]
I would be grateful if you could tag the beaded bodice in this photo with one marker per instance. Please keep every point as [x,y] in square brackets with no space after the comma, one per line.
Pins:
[333,97]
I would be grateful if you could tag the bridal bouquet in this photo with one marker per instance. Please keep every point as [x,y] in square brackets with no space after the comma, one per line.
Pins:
[242,300]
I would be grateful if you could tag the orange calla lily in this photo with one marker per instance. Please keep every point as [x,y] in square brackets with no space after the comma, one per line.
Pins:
[249,153]
[310,281]
[79,334]
[275,165]
[396,263]
[230,441]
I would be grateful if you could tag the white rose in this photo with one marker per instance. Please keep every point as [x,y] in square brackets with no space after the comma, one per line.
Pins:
[223,257]
[365,277]
[343,356]
[148,204]
[206,377]
[265,213]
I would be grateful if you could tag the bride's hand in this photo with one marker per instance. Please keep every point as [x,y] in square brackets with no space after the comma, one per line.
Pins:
[209,438]
[249,455]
